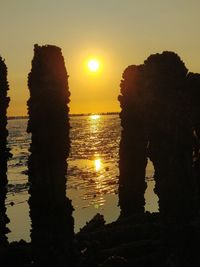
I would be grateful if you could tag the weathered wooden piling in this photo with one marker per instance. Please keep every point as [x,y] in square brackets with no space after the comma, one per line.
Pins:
[4,151]
[50,209]
[133,145]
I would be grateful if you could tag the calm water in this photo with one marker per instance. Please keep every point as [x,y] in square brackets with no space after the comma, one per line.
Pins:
[92,172]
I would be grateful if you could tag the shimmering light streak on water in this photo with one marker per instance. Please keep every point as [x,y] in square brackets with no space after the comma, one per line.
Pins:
[97,163]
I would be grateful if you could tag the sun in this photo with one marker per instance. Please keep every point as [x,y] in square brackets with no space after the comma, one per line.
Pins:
[93,65]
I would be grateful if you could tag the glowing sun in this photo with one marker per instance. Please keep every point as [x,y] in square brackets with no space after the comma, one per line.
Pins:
[93,65]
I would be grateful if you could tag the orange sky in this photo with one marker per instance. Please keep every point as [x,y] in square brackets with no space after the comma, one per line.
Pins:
[118,33]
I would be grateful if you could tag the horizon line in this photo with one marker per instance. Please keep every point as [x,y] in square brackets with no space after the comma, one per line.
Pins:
[70,115]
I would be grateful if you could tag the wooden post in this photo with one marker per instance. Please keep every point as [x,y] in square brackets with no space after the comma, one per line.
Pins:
[4,151]
[133,145]
[50,209]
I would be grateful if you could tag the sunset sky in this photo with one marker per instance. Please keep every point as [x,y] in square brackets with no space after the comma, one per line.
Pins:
[116,32]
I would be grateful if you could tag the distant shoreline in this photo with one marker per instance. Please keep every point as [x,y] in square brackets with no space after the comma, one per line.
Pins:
[70,115]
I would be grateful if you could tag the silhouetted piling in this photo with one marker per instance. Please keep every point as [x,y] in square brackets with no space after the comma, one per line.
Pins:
[156,120]
[133,145]
[193,85]
[50,209]
[170,135]
[4,151]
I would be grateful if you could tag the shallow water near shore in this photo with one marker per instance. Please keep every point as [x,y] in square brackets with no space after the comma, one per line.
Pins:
[92,173]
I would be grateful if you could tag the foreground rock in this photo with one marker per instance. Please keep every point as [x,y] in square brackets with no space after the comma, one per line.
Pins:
[139,241]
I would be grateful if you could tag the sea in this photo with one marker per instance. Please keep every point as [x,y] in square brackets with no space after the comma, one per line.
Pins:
[92,176]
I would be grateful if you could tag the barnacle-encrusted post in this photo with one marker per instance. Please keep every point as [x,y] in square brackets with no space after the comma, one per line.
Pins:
[170,135]
[50,209]
[133,145]
[4,151]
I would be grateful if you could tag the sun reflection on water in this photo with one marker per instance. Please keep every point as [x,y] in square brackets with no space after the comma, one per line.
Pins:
[97,164]
[95,116]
